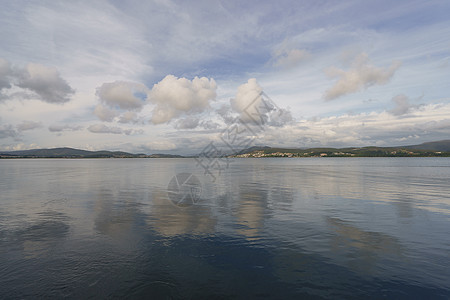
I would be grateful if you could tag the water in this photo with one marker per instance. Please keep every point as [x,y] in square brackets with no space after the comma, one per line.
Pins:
[265,228]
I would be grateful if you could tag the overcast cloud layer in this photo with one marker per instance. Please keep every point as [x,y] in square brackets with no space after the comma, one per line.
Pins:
[169,76]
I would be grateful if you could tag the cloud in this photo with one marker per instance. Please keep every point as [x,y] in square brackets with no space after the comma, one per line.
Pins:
[172,97]
[194,122]
[5,73]
[60,128]
[104,113]
[402,105]
[177,96]
[28,125]
[44,82]
[123,94]
[360,76]
[101,128]
[187,123]
[289,58]
[133,131]
[425,123]
[7,131]
[226,113]
[280,117]
[247,100]
[210,125]
[130,117]
[253,106]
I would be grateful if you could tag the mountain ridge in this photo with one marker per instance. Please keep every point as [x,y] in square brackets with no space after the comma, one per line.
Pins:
[435,148]
[67,152]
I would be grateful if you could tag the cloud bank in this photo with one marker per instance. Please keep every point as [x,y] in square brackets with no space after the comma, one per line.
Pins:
[28,125]
[65,127]
[101,128]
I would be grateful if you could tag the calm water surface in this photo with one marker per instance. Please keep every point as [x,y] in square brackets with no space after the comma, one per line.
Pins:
[314,228]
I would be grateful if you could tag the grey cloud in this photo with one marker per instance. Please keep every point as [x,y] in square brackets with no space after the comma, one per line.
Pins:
[187,123]
[104,113]
[130,117]
[7,131]
[402,105]
[122,94]
[60,128]
[101,128]
[133,131]
[280,117]
[193,122]
[28,125]
[226,113]
[360,76]
[44,82]
[210,125]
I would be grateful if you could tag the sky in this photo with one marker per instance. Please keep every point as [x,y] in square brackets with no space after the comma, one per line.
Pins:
[173,76]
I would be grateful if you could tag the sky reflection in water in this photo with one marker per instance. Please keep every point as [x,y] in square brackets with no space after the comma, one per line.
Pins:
[324,228]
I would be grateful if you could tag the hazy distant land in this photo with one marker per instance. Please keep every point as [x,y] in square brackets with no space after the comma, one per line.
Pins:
[430,149]
[77,153]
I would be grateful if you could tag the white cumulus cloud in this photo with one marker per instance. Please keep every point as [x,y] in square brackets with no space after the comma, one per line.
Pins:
[247,101]
[253,106]
[174,97]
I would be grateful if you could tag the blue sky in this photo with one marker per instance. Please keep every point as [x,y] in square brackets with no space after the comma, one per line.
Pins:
[168,76]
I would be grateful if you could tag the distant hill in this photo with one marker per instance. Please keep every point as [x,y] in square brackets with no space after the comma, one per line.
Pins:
[164,156]
[439,148]
[74,153]
[434,146]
